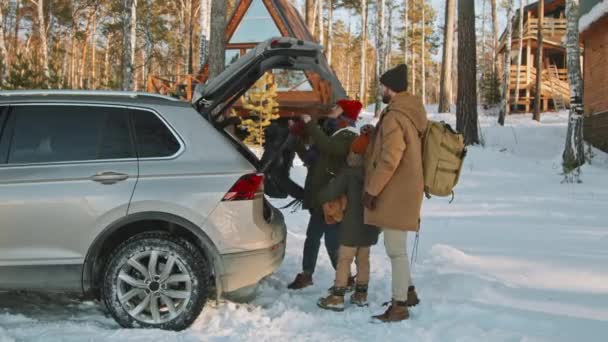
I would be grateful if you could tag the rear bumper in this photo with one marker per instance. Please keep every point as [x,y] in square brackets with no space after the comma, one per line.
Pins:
[244,270]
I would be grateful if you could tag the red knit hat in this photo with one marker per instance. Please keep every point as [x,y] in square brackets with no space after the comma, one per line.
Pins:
[351,108]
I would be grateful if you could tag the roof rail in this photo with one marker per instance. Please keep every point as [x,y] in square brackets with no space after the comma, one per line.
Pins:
[49,92]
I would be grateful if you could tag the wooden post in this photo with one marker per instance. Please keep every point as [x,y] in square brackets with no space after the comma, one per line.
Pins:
[528,66]
[539,60]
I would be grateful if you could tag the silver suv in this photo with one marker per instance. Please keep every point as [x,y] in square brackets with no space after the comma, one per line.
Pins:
[137,199]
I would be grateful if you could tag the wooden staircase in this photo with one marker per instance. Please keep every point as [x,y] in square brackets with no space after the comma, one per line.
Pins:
[559,102]
[555,87]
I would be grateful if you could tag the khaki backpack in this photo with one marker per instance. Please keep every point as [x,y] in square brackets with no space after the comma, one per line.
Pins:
[443,152]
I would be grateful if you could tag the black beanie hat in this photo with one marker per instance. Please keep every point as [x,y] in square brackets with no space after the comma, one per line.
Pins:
[396,78]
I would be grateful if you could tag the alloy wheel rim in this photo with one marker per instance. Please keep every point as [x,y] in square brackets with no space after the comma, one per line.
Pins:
[154,286]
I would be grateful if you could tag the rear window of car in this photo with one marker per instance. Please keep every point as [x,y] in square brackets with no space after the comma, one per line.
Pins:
[50,133]
[154,138]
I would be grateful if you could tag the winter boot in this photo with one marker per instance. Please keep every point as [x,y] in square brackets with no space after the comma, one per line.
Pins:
[359,298]
[397,312]
[302,280]
[412,297]
[334,301]
[349,288]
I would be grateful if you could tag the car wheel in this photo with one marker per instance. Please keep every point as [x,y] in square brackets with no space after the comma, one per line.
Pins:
[156,280]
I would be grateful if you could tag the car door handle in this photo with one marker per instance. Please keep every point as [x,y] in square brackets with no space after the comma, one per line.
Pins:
[109,177]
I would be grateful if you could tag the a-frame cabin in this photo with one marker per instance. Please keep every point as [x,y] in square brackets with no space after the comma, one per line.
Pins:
[252,22]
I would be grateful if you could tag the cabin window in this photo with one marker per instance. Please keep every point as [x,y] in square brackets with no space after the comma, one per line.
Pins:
[290,80]
[232,56]
[256,26]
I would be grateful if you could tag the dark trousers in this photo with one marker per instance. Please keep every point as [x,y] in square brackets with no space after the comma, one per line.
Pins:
[316,229]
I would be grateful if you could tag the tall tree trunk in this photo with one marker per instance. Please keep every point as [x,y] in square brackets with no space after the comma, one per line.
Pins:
[190,38]
[15,49]
[483,64]
[405,31]
[64,64]
[72,56]
[217,46]
[520,50]
[389,39]
[128,41]
[445,91]
[380,28]
[92,80]
[3,52]
[423,54]
[574,155]
[133,41]
[539,62]
[413,57]
[330,32]
[144,69]
[466,102]
[204,35]
[320,22]
[83,58]
[106,62]
[310,16]
[494,38]
[362,84]
[504,101]
[349,61]
[43,41]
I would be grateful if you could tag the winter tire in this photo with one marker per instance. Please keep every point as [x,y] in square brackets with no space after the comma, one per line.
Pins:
[156,280]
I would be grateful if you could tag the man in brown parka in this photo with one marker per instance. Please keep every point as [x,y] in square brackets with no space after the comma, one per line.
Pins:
[394,183]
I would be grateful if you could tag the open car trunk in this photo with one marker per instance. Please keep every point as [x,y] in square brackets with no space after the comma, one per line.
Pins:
[214,98]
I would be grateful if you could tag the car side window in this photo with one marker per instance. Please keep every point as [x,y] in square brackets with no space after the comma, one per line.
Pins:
[154,139]
[50,133]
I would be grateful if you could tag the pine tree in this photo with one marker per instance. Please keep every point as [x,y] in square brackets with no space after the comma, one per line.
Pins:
[261,101]
[22,74]
[466,103]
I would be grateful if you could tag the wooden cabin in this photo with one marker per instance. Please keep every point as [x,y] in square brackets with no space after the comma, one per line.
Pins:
[593,28]
[252,22]
[555,91]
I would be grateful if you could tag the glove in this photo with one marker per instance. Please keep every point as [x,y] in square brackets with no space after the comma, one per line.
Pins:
[368,129]
[369,201]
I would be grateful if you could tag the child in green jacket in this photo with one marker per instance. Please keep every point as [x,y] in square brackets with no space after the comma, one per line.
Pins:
[354,236]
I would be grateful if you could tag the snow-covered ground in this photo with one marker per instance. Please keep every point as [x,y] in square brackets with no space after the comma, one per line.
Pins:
[518,256]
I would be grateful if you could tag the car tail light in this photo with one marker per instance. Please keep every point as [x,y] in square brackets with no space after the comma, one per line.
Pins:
[246,188]
[278,43]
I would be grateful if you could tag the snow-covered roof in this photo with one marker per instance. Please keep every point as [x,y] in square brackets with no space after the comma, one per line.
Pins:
[591,11]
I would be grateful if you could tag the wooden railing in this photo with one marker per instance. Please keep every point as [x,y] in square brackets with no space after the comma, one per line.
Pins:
[552,28]
[523,81]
